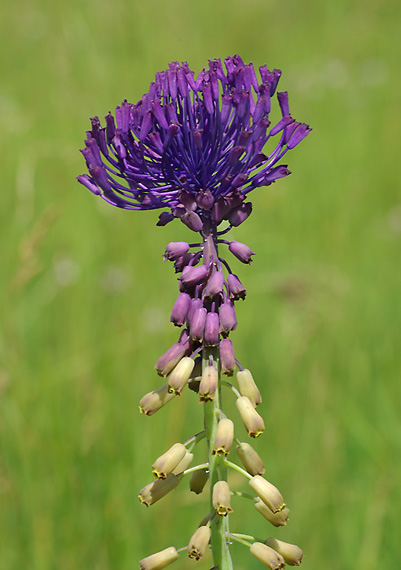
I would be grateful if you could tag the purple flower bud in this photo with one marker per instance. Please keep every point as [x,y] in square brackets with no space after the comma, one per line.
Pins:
[214,285]
[180,309]
[227,359]
[169,359]
[192,221]
[197,325]
[240,214]
[237,290]
[185,341]
[188,201]
[193,306]
[190,276]
[220,209]
[165,218]
[175,250]
[205,199]
[241,251]
[182,261]
[212,329]
[227,317]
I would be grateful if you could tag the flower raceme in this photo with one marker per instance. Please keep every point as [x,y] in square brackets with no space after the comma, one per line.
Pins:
[196,147]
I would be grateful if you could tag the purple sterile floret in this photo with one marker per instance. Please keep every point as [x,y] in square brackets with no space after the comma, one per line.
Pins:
[189,142]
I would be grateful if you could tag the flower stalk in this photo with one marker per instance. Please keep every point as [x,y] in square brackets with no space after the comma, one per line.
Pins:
[196,147]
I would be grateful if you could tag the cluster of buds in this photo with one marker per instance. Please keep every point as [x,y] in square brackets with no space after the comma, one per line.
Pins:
[202,354]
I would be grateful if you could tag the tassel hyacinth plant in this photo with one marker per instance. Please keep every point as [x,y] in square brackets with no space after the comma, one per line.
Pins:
[197,147]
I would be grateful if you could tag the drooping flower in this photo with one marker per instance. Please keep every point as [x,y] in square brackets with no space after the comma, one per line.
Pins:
[193,145]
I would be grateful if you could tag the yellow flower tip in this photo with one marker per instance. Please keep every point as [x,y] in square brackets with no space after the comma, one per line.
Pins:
[224,437]
[252,421]
[276,519]
[159,560]
[166,463]
[269,494]
[221,498]
[199,542]
[156,490]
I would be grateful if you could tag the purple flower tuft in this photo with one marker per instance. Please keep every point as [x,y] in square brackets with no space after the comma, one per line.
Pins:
[193,145]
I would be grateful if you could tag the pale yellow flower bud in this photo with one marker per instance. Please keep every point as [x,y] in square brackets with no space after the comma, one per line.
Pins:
[153,401]
[184,463]
[269,494]
[267,555]
[159,560]
[224,437]
[248,388]
[276,519]
[198,481]
[253,422]
[208,384]
[291,553]
[221,498]
[158,489]
[165,464]
[199,541]
[180,375]
[250,459]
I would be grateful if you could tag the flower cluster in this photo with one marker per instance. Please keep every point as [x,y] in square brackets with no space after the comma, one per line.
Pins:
[196,147]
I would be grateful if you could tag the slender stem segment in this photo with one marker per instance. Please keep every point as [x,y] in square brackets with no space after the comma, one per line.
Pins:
[217,467]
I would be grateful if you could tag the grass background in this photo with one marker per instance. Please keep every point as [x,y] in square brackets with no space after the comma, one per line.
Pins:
[86,298]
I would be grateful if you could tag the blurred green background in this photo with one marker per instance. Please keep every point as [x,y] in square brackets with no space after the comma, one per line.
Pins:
[87,298]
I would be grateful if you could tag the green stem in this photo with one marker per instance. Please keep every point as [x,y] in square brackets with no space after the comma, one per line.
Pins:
[217,467]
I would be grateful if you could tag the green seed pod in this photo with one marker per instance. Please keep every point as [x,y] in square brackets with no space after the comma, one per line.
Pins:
[153,401]
[221,498]
[224,437]
[159,560]
[267,555]
[198,481]
[252,421]
[247,387]
[165,464]
[276,519]
[269,494]
[199,541]
[291,553]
